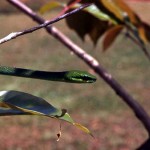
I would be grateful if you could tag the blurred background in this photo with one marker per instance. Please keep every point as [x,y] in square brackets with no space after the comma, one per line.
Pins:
[94,105]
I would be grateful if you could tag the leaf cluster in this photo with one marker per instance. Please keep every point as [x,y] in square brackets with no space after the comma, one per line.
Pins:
[105,18]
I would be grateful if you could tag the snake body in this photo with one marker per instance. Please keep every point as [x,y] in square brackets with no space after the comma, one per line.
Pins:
[73,76]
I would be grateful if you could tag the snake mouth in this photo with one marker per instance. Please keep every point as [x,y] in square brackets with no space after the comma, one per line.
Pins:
[88,79]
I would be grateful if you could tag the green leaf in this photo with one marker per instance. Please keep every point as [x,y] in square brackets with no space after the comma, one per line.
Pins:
[20,103]
[50,5]
[84,129]
[96,12]
[112,8]
[29,104]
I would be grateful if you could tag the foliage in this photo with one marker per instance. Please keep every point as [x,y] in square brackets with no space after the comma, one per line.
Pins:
[106,18]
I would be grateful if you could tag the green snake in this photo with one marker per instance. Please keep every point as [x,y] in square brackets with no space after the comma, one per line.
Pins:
[73,76]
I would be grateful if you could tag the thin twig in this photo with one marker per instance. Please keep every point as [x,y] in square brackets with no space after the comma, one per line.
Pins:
[139,43]
[135,32]
[93,63]
[45,24]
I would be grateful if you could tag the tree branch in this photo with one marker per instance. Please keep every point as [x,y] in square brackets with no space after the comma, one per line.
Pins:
[93,63]
[44,24]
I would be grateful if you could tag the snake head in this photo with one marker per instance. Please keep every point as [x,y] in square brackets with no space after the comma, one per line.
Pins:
[76,76]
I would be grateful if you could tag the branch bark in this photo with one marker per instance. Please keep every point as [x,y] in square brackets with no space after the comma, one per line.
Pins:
[139,111]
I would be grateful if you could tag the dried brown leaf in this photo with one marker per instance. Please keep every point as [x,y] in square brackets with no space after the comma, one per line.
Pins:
[111,35]
[84,23]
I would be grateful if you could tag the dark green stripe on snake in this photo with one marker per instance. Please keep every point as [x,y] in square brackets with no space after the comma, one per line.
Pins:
[73,76]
